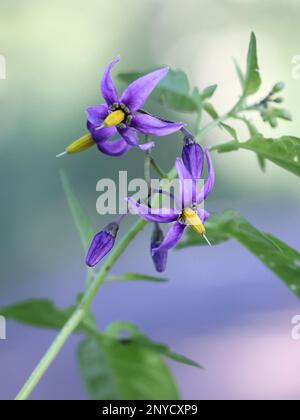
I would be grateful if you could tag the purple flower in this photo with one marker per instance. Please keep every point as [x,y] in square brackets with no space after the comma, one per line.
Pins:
[123,115]
[189,214]
[159,258]
[102,244]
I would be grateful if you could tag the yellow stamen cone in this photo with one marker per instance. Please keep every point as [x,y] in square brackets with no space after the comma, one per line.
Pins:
[81,144]
[192,219]
[114,118]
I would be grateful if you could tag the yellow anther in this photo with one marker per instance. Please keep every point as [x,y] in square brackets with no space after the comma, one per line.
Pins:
[191,218]
[114,118]
[81,144]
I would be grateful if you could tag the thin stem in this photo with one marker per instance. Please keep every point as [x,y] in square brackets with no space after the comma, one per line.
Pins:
[78,314]
[235,109]
[51,354]
[158,169]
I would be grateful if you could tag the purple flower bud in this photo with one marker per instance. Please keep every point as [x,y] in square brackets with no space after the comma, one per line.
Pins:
[193,157]
[159,258]
[102,244]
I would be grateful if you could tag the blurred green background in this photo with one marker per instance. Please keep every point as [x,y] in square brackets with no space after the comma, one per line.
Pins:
[56,52]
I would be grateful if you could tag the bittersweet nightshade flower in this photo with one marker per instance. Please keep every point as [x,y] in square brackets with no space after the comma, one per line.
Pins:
[123,116]
[160,258]
[102,244]
[189,213]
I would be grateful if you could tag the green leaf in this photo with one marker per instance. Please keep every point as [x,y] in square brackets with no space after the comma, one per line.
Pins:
[283,260]
[117,328]
[38,313]
[230,130]
[114,369]
[284,152]
[252,80]
[209,108]
[81,220]
[240,74]
[137,277]
[208,92]
[42,313]
[173,91]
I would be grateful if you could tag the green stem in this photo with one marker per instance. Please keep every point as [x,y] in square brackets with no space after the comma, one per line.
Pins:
[230,114]
[78,314]
[158,169]
[51,354]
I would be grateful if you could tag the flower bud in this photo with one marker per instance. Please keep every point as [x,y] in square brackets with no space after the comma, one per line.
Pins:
[193,158]
[159,258]
[102,244]
[278,87]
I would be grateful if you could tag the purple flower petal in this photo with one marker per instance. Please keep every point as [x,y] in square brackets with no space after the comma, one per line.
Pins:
[152,126]
[108,88]
[130,135]
[203,214]
[136,94]
[160,258]
[193,159]
[114,148]
[209,185]
[101,135]
[172,238]
[188,194]
[102,244]
[163,215]
[97,114]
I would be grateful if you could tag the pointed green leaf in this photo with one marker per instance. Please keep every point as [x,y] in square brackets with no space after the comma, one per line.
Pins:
[252,80]
[42,313]
[38,313]
[81,220]
[208,92]
[210,109]
[114,369]
[240,74]
[118,328]
[284,152]
[173,91]
[137,277]
[230,130]
[283,260]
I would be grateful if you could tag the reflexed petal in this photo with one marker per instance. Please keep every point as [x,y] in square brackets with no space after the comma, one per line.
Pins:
[97,114]
[172,238]
[136,94]
[114,148]
[193,159]
[203,214]
[101,135]
[154,126]
[209,185]
[108,88]
[130,135]
[102,244]
[163,215]
[159,258]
